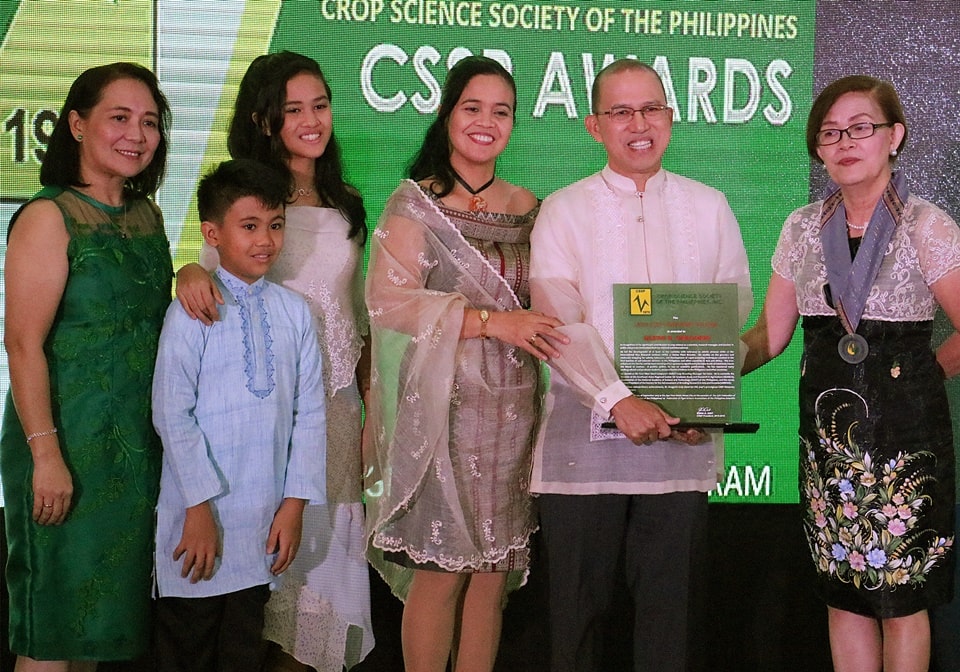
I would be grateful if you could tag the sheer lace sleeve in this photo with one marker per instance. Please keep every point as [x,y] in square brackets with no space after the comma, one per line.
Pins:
[938,242]
[785,255]
[401,263]
[584,362]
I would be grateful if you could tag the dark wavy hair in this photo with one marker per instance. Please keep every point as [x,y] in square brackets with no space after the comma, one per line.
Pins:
[61,164]
[881,91]
[433,158]
[257,122]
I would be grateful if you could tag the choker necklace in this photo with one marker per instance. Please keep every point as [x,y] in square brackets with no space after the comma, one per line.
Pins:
[857,227]
[303,192]
[477,203]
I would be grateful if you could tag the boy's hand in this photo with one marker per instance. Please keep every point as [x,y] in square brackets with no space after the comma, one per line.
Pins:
[199,543]
[285,533]
[198,294]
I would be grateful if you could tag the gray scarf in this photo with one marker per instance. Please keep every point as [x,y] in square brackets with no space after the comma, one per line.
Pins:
[850,280]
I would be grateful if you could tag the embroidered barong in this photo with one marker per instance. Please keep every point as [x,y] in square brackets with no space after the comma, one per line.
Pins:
[590,235]
[239,406]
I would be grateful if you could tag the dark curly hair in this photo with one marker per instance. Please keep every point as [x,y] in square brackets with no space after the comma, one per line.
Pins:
[61,164]
[257,122]
[433,159]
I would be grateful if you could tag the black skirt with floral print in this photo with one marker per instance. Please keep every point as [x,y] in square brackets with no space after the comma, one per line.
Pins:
[877,469]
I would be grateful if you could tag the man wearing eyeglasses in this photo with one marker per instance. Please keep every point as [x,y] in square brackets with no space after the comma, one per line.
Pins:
[625,505]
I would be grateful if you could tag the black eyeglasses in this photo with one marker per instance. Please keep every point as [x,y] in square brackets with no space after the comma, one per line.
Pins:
[864,129]
[624,115]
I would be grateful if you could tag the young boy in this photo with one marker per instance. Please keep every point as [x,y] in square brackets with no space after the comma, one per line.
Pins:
[239,406]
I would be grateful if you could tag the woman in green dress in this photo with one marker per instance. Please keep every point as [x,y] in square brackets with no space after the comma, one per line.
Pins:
[87,278]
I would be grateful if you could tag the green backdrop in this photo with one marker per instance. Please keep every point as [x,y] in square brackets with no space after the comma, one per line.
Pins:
[738,73]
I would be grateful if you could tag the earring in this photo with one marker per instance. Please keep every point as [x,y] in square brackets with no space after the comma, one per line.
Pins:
[79,137]
[893,152]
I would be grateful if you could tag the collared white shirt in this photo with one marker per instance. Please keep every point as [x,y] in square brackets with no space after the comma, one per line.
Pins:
[594,233]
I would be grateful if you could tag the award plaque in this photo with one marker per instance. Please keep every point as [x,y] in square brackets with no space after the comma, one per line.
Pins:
[678,346]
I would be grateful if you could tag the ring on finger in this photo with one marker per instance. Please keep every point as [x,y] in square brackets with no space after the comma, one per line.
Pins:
[534,338]
[48,506]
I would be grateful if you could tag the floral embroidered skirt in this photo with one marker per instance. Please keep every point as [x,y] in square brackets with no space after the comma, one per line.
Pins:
[877,469]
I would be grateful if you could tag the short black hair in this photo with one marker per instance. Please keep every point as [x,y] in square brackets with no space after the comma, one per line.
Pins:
[61,164]
[235,179]
[880,90]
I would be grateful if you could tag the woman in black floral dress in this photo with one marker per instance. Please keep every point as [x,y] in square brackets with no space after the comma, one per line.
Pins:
[866,268]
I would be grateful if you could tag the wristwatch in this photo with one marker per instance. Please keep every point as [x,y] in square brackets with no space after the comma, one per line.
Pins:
[484,318]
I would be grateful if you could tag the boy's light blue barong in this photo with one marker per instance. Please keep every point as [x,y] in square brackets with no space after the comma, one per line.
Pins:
[240,409]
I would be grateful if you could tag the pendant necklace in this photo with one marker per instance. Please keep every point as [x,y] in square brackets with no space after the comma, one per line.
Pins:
[477,203]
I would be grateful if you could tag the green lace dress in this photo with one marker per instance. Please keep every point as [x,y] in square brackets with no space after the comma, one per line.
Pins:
[81,590]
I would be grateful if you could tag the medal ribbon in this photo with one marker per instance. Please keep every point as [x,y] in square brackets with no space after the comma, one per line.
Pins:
[850,280]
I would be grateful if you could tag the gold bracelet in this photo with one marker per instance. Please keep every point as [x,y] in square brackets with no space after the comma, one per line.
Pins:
[35,435]
[484,318]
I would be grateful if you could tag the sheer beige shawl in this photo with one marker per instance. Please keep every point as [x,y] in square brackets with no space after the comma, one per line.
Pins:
[451,420]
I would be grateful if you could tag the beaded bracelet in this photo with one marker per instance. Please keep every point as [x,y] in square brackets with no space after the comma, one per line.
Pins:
[49,432]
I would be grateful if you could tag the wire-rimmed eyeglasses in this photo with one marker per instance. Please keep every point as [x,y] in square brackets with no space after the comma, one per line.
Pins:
[624,114]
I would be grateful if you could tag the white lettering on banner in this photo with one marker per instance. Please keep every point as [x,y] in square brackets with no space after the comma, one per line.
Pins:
[747,484]
[351,10]
[532,17]
[421,57]
[381,52]
[698,89]
[556,74]
[778,69]
[738,98]
[662,66]
[463,13]
[733,67]
[590,72]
